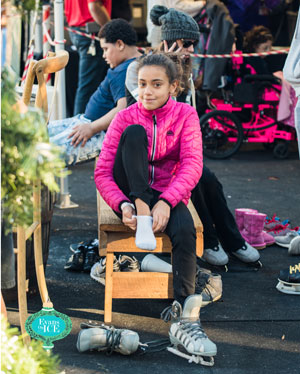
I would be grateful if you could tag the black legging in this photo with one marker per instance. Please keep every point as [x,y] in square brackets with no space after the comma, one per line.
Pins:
[217,220]
[131,175]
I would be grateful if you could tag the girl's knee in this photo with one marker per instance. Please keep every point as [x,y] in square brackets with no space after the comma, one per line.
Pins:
[134,135]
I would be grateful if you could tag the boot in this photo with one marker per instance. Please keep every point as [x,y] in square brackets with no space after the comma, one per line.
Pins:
[109,339]
[253,228]
[239,217]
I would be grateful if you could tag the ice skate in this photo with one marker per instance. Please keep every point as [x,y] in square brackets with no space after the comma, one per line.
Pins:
[187,336]
[108,339]
[289,280]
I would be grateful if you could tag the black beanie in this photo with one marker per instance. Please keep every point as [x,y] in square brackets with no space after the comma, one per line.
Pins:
[174,24]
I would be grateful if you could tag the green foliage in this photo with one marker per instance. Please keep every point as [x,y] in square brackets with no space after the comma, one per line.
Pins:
[17,358]
[27,156]
[24,5]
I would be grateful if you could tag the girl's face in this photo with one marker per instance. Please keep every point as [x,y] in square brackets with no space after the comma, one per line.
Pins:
[154,86]
[264,47]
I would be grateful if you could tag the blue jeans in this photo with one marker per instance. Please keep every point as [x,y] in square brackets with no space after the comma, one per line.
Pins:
[92,70]
[59,131]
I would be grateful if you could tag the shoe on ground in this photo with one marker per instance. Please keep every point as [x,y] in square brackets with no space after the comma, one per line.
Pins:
[187,331]
[294,247]
[94,243]
[281,230]
[98,270]
[91,257]
[247,253]
[289,280]
[285,240]
[128,264]
[108,339]
[209,286]
[215,256]
[75,261]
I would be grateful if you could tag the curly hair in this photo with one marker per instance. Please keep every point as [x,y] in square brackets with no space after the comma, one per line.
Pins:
[256,36]
[118,29]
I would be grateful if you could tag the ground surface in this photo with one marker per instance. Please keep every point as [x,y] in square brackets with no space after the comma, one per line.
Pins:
[256,328]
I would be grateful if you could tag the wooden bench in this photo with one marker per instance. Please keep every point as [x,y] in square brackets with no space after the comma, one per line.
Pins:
[114,237]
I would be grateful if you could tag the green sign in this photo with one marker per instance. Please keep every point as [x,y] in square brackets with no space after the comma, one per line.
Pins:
[48,325]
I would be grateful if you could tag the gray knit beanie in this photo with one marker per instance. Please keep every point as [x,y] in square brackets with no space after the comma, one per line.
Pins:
[174,24]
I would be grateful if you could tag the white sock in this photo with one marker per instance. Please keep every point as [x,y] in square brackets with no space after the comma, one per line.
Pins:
[144,237]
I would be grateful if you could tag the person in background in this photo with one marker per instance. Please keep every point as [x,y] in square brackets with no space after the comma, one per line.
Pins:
[187,6]
[291,73]
[92,67]
[258,39]
[180,32]
[81,136]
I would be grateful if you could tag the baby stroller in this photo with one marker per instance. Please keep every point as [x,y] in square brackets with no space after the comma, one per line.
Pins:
[246,111]
[244,107]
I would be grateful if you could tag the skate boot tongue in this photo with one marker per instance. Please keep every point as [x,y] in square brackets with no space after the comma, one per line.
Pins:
[191,308]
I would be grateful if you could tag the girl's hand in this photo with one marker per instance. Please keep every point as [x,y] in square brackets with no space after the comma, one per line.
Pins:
[127,218]
[161,214]
[81,134]
[171,49]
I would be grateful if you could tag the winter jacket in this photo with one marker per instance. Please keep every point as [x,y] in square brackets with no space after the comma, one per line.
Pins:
[174,152]
[291,70]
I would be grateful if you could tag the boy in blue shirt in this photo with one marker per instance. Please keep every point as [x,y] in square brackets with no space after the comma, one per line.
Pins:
[81,136]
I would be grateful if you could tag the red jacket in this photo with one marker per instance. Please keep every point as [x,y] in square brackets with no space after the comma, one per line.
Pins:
[174,151]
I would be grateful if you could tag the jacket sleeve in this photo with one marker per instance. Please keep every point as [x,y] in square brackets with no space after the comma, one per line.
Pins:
[191,161]
[291,69]
[190,7]
[104,179]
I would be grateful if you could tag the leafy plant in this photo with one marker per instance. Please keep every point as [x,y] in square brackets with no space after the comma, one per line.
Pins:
[17,358]
[27,156]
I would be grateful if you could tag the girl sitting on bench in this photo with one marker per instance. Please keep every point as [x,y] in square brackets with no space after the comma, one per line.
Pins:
[150,162]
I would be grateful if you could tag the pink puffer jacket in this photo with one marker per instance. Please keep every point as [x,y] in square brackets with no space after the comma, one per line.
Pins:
[174,151]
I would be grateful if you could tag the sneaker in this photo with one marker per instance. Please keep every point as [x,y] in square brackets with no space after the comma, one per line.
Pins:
[98,270]
[91,257]
[75,261]
[209,286]
[85,245]
[128,264]
[280,230]
[247,253]
[187,333]
[294,247]
[215,256]
[285,240]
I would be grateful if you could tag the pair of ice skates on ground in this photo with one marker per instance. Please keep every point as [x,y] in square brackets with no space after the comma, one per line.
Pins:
[289,280]
[187,338]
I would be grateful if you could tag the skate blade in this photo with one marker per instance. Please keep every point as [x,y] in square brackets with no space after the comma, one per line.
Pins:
[288,288]
[197,359]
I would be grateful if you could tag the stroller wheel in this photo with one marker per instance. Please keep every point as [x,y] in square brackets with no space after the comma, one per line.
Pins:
[222,134]
[281,150]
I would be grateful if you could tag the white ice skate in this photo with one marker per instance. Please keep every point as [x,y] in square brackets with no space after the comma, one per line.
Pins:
[187,336]
[108,339]
[289,280]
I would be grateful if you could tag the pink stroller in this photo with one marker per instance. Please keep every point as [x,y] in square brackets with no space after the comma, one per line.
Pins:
[246,111]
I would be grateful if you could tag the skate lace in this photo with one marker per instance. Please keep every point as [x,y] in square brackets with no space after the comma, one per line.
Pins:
[193,329]
[202,281]
[113,338]
[170,312]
